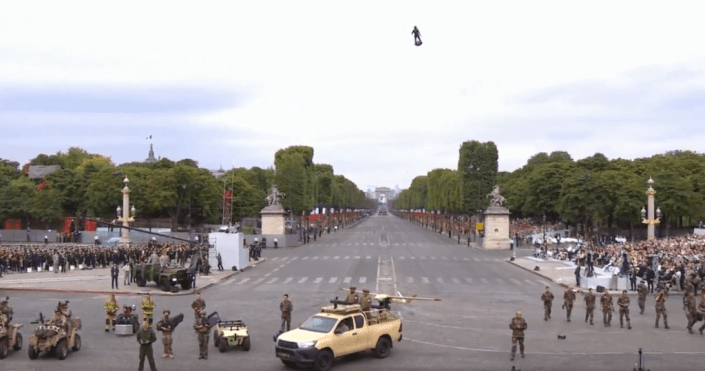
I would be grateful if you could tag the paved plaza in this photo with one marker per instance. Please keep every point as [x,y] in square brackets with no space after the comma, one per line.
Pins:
[467,330]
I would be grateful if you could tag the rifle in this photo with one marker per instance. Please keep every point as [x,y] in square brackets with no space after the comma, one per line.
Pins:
[39,320]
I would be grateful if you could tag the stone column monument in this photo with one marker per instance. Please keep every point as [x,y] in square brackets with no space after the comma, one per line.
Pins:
[496,223]
[273,215]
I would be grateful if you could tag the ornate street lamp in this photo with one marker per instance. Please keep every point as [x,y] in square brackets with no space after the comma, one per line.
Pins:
[125,211]
[650,221]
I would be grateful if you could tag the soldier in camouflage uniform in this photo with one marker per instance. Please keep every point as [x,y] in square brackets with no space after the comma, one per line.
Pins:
[642,290]
[286,308]
[661,297]
[202,329]
[606,302]
[352,297]
[623,303]
[111,308]
[589,305]
[366,302]
[568,299]
[198,305]
[547,299]
[701,307]
[517,326]
[167,340]
[691,311]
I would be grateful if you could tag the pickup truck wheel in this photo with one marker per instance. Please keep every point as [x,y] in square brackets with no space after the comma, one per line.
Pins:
[323,361]
[289,364]
[216,339]
[223,346]
[383,348]
[246,344]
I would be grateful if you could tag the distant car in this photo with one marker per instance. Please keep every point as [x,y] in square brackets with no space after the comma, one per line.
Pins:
[112,242]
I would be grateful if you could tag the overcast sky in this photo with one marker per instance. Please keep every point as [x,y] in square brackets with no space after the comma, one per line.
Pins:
[229,83]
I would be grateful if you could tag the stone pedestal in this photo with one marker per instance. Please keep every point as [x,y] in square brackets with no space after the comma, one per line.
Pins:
[273,220]
[496,228]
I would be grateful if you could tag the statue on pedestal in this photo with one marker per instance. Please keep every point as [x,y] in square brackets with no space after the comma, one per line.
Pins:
[274,196]
[497,199]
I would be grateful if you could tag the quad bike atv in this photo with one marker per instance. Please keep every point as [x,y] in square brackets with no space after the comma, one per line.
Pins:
[231,333]
[127,323]
[167,278]
[9,336]
[54,339]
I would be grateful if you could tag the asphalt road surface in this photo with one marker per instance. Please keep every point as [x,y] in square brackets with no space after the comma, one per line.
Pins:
[467,330]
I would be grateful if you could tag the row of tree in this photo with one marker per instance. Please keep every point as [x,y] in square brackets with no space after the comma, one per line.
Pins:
[90,184]
[457,191]
[591,192]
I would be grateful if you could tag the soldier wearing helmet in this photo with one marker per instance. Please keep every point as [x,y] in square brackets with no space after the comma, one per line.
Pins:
[352,297]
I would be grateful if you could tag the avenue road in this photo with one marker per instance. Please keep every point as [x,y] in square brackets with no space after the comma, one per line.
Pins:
[467,330]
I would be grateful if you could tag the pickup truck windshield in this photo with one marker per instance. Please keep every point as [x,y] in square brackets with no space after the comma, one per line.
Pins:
[318,324]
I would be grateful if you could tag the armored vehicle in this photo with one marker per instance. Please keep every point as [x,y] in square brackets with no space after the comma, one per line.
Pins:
[126,322]
[231,333]
[167,278]
[55,337]
[9,336]
[337,331]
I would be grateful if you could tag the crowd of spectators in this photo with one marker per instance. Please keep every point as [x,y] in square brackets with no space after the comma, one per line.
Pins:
[20,258]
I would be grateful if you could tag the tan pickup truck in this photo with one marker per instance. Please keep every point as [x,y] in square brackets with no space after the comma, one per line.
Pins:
[335,332]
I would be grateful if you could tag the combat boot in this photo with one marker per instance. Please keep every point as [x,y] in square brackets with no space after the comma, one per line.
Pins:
[522,355]
[629,326]
[665,324]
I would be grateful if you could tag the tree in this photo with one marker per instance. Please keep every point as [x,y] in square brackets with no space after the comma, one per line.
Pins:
[477,168]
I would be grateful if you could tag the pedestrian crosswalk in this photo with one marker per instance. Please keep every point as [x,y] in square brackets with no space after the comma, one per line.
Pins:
[408,280]
[402,257]
[426,244]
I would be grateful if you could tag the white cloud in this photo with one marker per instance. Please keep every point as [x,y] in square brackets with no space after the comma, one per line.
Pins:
[346,79]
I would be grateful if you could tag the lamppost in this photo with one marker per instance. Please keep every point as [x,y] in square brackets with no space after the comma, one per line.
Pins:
[125,211]
[651,222]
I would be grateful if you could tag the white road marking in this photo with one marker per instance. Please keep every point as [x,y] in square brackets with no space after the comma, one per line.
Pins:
[303,280]
[272,280]
[468,279]
[357,244]
[259,280]
[439,279]
[294,258]
[284,258]
[454,258]
[466,259]
[304,258]
[325,258]
[318,280]
[315,258]
[347,279]
[288,280]
[401,258]
[333,279]
[369,257]
[483,280]
[413,258]
[476,259]
[455,280]
[347,257]
[363,279]
[243,281]
[337,257]
[529,282]
[357,257]
[515,281]
[425,280]
[275,258]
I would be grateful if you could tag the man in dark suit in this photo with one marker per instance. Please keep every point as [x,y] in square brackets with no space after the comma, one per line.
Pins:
[650,277]
[114,273]
[632,279]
